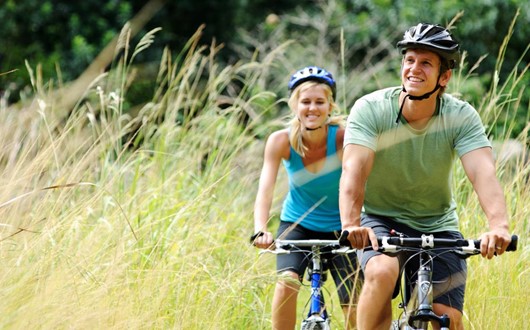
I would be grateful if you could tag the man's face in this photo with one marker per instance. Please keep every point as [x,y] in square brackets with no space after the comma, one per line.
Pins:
[420,70]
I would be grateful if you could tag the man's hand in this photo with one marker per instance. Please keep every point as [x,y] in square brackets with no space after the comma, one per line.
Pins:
[361,237]
[494,242]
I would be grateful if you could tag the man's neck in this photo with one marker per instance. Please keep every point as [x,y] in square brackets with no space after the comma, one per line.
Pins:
[419,112]
[419,109]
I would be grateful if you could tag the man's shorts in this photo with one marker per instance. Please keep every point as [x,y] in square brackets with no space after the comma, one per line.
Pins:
[449,270]
[343,268]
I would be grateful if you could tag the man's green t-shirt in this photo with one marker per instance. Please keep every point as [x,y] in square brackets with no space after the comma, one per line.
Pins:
[412,172]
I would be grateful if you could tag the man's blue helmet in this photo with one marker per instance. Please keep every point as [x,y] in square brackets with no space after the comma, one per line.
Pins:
[312,73]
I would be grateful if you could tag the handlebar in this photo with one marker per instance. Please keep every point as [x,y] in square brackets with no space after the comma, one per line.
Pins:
[282,246]
[397,243]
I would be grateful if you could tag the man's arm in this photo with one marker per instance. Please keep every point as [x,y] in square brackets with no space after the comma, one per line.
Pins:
[479,166]
[357,162]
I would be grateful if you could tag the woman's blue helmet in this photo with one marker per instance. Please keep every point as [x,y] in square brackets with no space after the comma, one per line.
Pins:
[312,73]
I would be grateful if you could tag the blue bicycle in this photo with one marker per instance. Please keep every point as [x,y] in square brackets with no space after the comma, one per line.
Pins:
[317,317]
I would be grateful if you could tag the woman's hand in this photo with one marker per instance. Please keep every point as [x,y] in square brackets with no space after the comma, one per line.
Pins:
[262,239]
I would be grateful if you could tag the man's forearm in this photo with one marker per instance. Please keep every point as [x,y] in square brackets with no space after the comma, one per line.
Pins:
[350,203]
[492,201]
[356,166]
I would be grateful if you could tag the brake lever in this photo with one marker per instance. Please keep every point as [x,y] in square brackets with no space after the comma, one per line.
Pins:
[275,251]
[343,250]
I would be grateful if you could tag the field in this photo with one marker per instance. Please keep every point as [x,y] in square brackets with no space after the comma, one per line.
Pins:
[140,219]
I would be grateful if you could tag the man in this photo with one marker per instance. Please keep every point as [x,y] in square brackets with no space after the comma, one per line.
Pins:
[399,148]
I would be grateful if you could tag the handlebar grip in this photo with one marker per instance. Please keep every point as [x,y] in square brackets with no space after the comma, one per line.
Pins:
[513,244]
[343,239]
[256,235]
[511,247]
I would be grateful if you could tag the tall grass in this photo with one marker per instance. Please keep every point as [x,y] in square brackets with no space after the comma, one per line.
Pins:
[139,219]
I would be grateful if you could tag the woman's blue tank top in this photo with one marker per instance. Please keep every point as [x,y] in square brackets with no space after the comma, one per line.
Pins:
[313,198]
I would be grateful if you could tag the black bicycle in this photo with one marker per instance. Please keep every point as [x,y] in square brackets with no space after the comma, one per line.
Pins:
[418,313]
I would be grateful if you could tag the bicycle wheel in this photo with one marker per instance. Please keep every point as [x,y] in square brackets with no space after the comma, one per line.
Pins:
[315,323]
[397,325]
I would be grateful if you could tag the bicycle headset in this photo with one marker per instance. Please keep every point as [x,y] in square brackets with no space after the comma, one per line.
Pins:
[313,73]
[436,39]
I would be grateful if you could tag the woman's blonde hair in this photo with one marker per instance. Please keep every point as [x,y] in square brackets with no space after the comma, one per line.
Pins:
[295,132]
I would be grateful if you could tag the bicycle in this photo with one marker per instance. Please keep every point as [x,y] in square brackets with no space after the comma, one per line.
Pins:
[317,316]
[419,313]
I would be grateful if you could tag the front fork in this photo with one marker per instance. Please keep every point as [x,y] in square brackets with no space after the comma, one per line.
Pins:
[424,314]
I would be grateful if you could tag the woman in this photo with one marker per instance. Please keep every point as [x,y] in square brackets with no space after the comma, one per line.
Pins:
[311,152]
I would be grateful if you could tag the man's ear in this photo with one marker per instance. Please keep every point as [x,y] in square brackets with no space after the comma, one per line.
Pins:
[445,77]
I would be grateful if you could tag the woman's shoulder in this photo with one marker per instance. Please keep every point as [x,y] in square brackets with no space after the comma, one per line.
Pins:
[279,141]
[280,136]
[338,128]
[339,138]
[340,131]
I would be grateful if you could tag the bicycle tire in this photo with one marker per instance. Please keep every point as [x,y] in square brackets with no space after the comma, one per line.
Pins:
[315,324]
[400,325]
[395,325]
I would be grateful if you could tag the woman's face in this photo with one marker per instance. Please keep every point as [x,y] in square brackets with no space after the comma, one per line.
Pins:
[313,107]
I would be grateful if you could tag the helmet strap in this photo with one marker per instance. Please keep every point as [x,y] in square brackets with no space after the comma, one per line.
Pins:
[312,129]
[316,128]
[416,98]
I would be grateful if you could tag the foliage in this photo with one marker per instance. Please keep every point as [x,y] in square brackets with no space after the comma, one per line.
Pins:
[355,40]
[70,34]
[57,33]
[65,36]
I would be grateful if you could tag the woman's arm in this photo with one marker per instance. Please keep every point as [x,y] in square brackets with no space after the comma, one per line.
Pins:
[276,148]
